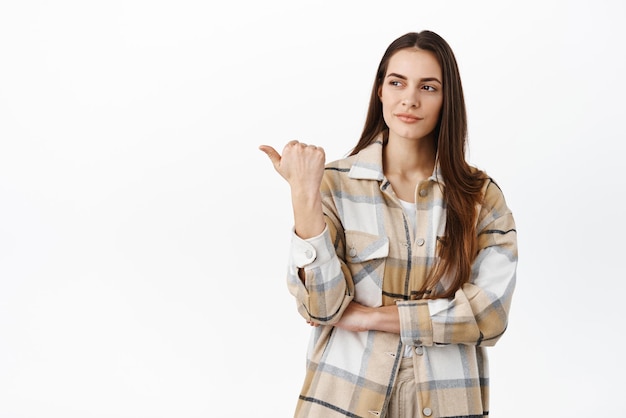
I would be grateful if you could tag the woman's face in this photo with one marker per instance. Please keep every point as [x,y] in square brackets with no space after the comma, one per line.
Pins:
[412,94]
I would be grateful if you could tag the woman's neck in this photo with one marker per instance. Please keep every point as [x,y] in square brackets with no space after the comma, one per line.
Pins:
[409,158]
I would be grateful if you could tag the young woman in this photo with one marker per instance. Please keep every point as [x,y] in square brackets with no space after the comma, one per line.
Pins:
[403,256]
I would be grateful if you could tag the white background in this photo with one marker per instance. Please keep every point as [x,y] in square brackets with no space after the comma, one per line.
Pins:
[143,235]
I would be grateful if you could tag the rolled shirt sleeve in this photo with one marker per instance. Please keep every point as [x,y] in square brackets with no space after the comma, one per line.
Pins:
[478,312]
[324,293]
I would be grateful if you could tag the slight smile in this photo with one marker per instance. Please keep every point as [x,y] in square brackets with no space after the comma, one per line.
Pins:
[408,118]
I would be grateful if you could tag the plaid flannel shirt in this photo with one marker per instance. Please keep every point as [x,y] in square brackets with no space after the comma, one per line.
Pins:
[368,253]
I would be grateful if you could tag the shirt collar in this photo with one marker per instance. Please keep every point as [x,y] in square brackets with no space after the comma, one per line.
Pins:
[368,164]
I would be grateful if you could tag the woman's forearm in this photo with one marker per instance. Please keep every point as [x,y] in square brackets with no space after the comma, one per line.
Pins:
[307,213]
[358,317]
[386,318]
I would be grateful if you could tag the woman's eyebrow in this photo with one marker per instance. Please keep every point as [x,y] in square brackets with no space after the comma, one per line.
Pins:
[429,79]
[425,79]
[396,75]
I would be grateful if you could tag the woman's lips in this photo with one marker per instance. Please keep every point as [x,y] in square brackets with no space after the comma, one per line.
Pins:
[408,118]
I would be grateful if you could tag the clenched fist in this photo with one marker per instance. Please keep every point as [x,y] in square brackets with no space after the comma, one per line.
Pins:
[301,165]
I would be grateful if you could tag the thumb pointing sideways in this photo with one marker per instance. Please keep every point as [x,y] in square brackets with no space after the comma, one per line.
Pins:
[272,154]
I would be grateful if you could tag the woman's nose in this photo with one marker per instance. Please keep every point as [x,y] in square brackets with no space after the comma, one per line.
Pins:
[410,99]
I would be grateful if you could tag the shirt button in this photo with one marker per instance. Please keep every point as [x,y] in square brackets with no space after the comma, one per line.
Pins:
[427,412]
[423,192]
[419,351]
[308,254]
[420,242]
[352,252]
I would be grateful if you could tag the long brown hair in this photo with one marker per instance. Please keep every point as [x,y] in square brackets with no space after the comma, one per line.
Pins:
[463,184]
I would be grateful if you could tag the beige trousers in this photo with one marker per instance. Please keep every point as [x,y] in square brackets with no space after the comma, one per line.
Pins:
[403,401]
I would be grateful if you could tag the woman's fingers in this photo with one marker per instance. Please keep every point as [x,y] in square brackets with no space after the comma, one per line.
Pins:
[302,165]
[272,154]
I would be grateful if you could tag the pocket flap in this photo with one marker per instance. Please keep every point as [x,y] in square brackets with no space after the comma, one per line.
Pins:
[361,246]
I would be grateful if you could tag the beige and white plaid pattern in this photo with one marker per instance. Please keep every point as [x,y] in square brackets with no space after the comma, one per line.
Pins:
[368,253]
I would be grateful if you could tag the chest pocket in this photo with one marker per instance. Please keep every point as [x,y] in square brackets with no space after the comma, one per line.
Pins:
[366,255]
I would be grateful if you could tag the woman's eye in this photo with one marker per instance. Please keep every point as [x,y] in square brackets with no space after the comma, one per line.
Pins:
[429,88]
[395,83]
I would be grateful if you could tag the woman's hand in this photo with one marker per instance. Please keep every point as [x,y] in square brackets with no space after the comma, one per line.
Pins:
[301,165]
[356,318]
[360,318]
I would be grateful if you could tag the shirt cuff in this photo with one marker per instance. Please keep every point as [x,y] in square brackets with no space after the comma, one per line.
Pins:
[415,323]
[315,250]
